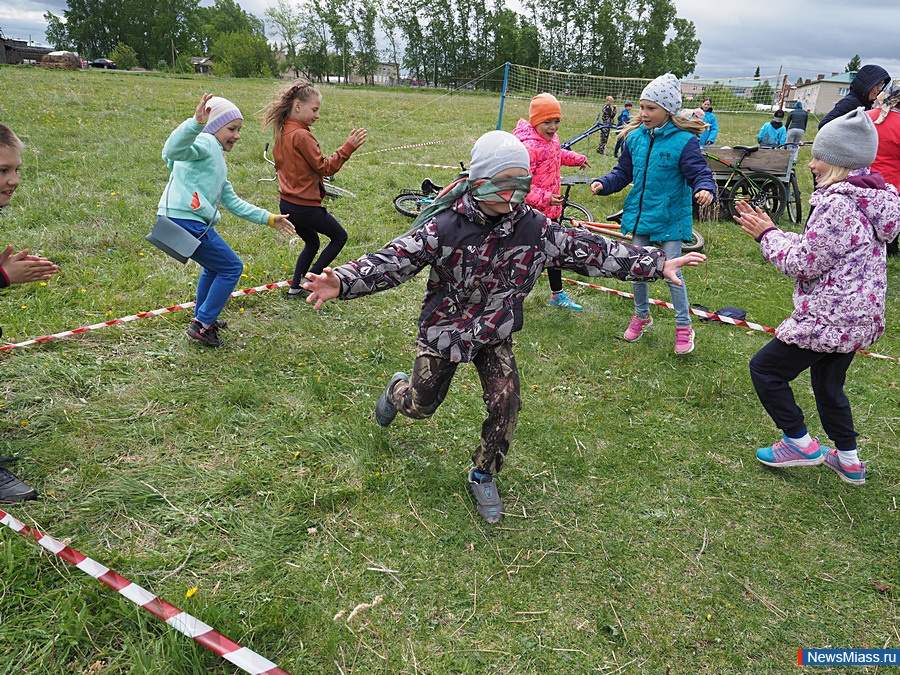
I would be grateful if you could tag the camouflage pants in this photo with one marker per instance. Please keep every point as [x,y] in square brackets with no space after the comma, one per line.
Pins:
[496,365]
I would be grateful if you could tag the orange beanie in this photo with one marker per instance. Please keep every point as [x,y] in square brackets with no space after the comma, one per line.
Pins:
[543,107]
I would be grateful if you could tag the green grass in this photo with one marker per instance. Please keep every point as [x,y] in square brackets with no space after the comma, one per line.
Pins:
[642,535]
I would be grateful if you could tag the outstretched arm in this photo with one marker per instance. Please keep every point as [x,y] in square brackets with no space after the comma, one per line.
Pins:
[322,287]
[754,222]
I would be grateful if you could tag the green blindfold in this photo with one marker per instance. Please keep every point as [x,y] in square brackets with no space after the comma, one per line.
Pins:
[503,190]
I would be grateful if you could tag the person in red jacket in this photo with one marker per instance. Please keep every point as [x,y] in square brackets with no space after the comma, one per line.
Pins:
[301,168]
[886,115]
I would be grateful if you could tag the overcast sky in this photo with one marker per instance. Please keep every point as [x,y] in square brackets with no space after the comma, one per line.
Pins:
[799,38]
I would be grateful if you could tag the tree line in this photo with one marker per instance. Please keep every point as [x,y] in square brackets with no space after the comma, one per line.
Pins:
[438,42]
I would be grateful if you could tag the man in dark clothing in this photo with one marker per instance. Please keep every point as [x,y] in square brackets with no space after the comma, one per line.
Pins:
[796,127]
[867,84]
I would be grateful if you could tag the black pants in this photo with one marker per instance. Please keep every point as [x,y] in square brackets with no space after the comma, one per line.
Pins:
[309,222]
[777,364]
[496,365]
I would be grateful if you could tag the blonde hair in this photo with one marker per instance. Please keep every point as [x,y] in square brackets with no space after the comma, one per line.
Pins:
[835,174]
[694,126]
[9,140]
[280,107]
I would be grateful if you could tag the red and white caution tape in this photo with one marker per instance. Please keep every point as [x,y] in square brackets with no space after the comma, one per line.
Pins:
[134,317]
[433,166]
[400,147]
[709,315]
[245,659]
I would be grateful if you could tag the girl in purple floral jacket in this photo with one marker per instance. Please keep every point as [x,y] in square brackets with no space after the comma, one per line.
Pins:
[839,296]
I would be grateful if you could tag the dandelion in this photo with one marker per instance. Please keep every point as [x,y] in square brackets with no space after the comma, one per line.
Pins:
[190,592]
[24,423]
[43,283]
[141,254]
[296,454]
[241,309]
[24,306]
[84,290]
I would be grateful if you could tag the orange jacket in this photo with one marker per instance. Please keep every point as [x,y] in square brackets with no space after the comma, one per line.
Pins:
[301,166]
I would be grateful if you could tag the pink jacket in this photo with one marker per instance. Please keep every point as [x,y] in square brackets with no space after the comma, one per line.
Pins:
[839,264]
[546,159]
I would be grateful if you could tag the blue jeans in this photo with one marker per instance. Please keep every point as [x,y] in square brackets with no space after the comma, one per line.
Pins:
[672,249]
[222,270]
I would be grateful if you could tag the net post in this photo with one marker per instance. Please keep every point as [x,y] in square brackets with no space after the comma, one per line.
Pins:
[503,93]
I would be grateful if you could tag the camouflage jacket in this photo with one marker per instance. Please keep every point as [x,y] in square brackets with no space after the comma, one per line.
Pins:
[482,269]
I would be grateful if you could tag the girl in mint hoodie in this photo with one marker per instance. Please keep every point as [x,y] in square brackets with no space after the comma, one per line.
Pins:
[538,135]
[195,152]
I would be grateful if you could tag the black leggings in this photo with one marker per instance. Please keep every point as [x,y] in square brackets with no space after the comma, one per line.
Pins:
[309,222]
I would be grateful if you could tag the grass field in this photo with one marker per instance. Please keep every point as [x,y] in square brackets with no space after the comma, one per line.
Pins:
[251,487]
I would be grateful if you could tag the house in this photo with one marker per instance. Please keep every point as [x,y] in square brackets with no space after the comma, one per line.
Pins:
[819,96]
[386,73]
[692,89]
[203,65]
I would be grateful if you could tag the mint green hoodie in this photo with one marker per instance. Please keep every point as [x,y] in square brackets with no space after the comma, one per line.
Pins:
[197,161]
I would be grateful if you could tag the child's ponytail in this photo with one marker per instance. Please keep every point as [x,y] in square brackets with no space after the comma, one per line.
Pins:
[280,107]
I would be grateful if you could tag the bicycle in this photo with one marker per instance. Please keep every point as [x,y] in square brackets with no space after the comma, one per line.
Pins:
[612,228]
[794,204]
[331,190]
[758,188]
[597,126]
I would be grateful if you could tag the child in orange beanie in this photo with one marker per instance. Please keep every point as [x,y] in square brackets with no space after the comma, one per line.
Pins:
[538,135]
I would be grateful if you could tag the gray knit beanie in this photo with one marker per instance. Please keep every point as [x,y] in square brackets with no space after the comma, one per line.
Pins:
[850,141]
[497,151]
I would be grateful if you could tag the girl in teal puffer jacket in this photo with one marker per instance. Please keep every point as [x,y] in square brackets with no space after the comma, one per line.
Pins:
[662,158]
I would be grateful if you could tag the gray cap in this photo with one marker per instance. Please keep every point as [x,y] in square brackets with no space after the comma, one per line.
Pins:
[850,141]
[497,151]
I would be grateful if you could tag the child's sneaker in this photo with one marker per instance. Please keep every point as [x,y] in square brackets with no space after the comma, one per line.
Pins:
[207,336]
[684,339]
[13,488]
[855,474]
[637,327]
[487,499]
[385,412]
[787,453]
[562,300]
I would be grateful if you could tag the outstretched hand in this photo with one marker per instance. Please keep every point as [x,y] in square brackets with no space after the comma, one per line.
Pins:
[322,287]
[671,267]
[753,221]
[596,187]
[283,225]
[202,112]
[21,268]
[357,137]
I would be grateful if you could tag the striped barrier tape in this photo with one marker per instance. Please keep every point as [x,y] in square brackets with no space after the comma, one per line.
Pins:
[432,166]
[400,147]
[709,315]
[245,659]
[134,317]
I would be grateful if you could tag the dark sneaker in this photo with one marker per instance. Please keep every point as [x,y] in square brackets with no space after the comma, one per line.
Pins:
[385,412]
[221,325]
[297,294]
[487,498]
[207,336]
[12,488]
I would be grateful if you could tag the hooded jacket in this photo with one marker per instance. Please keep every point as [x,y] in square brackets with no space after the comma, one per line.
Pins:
[839,263]
[772,134]
[867,77]
[546,158]
[483,268]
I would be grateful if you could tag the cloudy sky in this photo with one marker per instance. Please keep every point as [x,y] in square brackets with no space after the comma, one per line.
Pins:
[799,38]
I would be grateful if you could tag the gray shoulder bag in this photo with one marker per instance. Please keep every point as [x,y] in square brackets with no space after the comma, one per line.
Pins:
[171,238]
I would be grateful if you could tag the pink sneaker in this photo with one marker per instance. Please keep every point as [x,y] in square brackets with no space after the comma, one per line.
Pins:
[684,339]
[637,327]
[855,474]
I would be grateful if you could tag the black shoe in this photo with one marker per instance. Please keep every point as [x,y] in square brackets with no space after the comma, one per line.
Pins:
[207,336]
[297,294]
[12,488]
[385,412]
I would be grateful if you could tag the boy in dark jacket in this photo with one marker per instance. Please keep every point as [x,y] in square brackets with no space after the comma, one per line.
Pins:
[15,268]
[866,86]
[485,249]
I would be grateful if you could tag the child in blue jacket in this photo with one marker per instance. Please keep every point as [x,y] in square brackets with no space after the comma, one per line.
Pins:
[662,157]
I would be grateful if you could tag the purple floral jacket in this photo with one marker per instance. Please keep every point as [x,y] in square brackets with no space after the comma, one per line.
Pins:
[482,269]
[839,263]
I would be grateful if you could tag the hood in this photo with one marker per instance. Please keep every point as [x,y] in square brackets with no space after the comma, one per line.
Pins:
[525,132]
[777,124]
[867,77]
[878,200]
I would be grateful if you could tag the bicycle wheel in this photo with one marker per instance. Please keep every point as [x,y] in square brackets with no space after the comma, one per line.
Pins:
[408,203]
[758,189]
[334,191]
[794,202]
[695,245]
[573,211]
